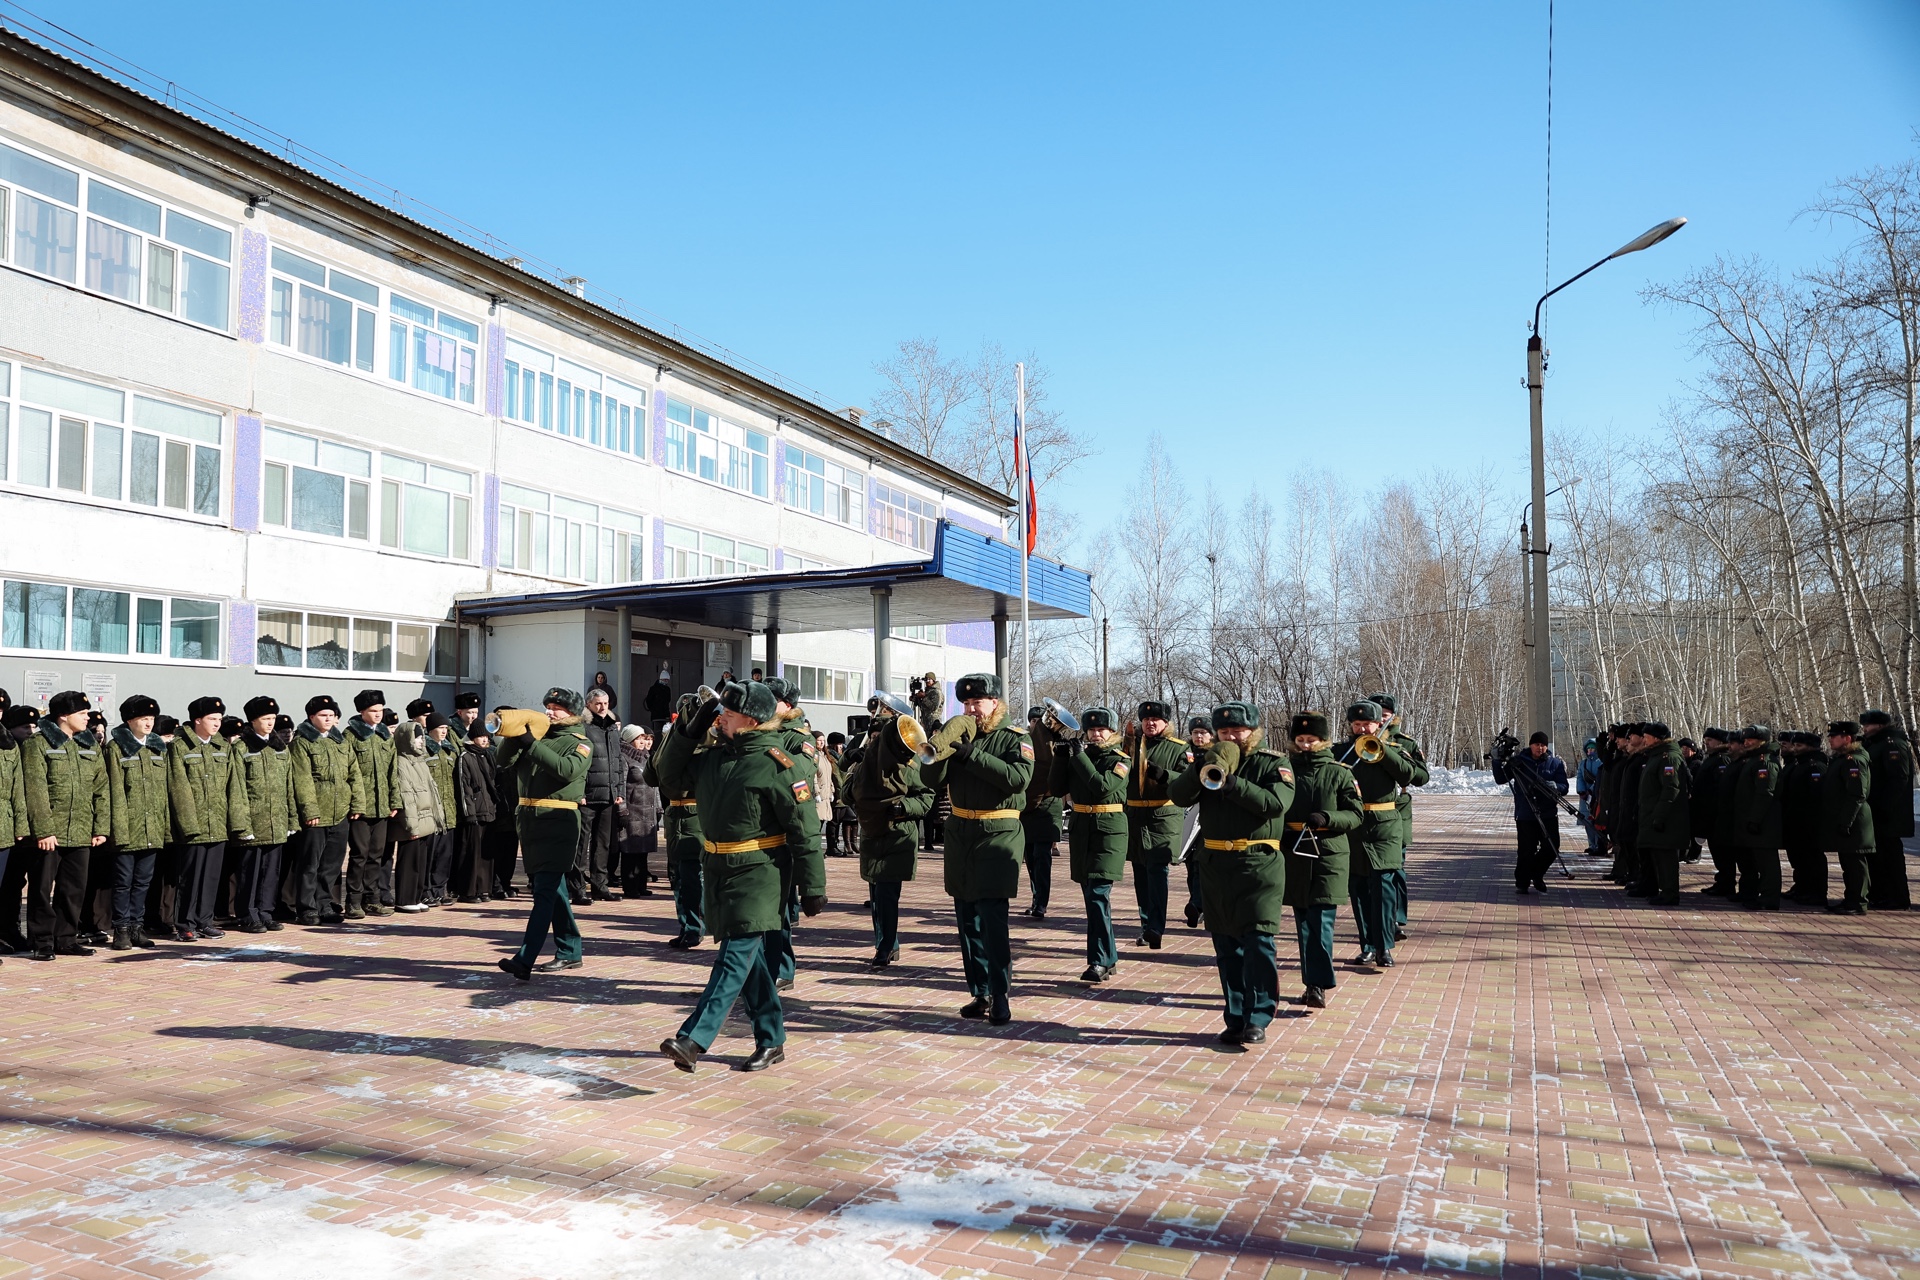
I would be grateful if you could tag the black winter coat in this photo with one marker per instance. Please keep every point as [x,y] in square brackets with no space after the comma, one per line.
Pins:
[479,793]
[607,772]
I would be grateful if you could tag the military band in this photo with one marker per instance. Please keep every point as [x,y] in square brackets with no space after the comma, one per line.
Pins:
[1154,822]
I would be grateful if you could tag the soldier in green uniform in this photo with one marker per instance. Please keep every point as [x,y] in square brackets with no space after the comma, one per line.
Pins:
[1093,770]
[1379,835]
[1153,820]
[986,767]
[1042,822]
[1846,793]
[1709,772]
[207,792]
[797,741]
[1892,756]
[890,798]
[326,788]
[443,757]
[1199,742]
[753,800]
[550,777]
[1403,801]
[266,772]
[681,820]
[1802,766]
[368,847]
[69,813]
[142,821]
[1664,812]
[1243,792]
[1754,818]
[1326,806]
[13,809]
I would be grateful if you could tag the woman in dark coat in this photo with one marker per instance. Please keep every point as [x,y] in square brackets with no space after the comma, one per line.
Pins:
[641,814]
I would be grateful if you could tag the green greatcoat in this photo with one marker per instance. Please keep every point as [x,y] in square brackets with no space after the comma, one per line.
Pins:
[1324,785]
[1664,804]
[1043,821]
[267,772]
[13,793]
[1096,779]
[983,855]
[1845,791]
[373,754]
[1383,831]
[1754,802]
[65,784]
[207,789]
[326,776]
[1242,889]
[1406,746]
[1154,822]
[890,797]
[441,757]
[1800,777]
[137,779]
[801,749]
[1892,757]
[680,821]
[749,789]
[549,768]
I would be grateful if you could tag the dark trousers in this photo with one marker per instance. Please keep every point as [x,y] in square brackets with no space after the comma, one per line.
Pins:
[986,954]
[322,854]
[780,953]
[1809,872]
[410,872]
[56,884]
[635,852]
[885,896]
[163,901]
[503,852]
[687,888]
[1314,928]
[1373,910]
[132,876]
[1040,873]
[1663,868]
[1150,894]
[551,910]
[472,874]
[592,864]
[258,882]
[367,851]
[741,971]
[1249,979]
[1889,864]
[439,865]
[1103,949]
[1726,865]
[1538,847]
[13,889]
[1196,903]
[1856,876]
[200,868]
[1399,877]
[1760,872]
[96,909]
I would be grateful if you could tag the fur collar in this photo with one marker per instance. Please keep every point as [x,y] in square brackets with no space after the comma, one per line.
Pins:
[124,737]
[994,721]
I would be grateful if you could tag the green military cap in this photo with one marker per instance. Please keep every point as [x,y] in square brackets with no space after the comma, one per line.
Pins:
[980,684]
[1098,718]
[1153,709]
[1199,722]
[751,699]
[1875,717]
[1382,700]
[1236,715]
[1365,709]
[1848,728]
[566,698]
[1756,732]
[784,691]
[1308,722]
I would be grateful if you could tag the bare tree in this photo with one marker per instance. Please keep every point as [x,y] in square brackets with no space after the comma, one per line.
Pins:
[922,397]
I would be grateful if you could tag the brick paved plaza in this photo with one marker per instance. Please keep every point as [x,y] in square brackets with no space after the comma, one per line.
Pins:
[1564,1086]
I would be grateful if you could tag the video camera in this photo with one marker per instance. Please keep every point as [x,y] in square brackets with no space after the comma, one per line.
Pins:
[1504,745]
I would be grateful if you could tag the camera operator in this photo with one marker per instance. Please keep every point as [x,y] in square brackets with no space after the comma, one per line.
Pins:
[1536,776]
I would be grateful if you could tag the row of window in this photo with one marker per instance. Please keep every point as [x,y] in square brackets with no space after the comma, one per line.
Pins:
[319,486]
[555,394]
[826,684]
[52,617]
[295,639]
[559,537]
[323,312]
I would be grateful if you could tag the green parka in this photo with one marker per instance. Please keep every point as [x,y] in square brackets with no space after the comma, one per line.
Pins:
[1237,857]
[13,792]
[1892,757]
[137,779]
[326,776]
[1096,780]
[65,782]
[1418,776]
[207,788]
[1846,790]
[1663,807]
[441,758]
[373,752]
[1755,802]
[1800,825]
[989,774]
[679,811]
[1154,821]
[550,768]
[1321,785]
[267,770]
[889,797]
[1382,833]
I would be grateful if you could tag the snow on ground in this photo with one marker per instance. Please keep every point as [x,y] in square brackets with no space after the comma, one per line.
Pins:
[1461,782]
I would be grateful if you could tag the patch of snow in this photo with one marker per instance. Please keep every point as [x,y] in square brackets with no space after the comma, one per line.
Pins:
[1461,782]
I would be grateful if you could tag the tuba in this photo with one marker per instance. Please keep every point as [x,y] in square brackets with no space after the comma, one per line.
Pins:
[515,721]
[913,735]
[1061,721]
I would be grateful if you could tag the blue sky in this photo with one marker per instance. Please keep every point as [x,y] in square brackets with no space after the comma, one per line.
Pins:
[1282,234]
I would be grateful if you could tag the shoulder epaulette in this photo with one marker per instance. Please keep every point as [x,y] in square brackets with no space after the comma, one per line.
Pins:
[780,757]
[1180,742]
[1017,728]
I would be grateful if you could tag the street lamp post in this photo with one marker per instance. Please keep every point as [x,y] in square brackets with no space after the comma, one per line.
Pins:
[1540,669]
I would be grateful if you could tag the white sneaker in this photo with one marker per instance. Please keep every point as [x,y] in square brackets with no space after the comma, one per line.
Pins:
[412,907]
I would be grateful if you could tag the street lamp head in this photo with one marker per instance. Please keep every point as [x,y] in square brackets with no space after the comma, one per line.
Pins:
[1649,238]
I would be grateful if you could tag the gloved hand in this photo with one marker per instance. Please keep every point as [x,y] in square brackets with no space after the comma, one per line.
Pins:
[1317,819]
[1063,751]
[896,811]
[1155,774]
[962,750]
[696,726]
[814,905]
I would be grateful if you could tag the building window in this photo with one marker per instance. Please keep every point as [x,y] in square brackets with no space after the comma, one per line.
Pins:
[699,444]
[322,312]
[318,486]
[905,518]
[54,617]
[927,634]
[431,350]
[552,536]
[425,508]
[693,554]
[117,244]
[824,488]
[297,639]
[554,394]
[826,684]
[83,440]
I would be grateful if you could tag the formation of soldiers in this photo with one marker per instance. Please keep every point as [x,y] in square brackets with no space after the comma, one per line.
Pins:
[1747,795]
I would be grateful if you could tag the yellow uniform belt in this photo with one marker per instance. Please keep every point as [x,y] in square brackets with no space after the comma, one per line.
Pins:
[744,846]
[1148,804]
[531,803]
[683,804]
[1099,808]
[1230,846]
[982,815]
[1296,826]
[1387,807]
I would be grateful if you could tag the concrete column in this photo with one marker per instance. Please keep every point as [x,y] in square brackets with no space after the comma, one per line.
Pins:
[623,660]
[773,651]
[882,628]
[1002,660]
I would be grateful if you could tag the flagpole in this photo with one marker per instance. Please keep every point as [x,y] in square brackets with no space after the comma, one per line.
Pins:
[1026,517]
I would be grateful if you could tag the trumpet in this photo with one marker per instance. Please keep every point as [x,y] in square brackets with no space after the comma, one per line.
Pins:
[1224,759]
[515,721]
[1062,721]
[1212,776]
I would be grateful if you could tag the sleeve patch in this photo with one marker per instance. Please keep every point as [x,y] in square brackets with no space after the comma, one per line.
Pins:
[1026,749]
[780,757]
[583,750]
[803,791]
[1668,770]
[807,749]
[1121,767]
[1189,757]
[1286,775]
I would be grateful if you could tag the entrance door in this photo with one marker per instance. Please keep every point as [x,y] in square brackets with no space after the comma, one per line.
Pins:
[682,656]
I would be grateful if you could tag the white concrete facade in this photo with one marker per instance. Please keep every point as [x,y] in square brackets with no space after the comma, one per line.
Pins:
[277,471]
